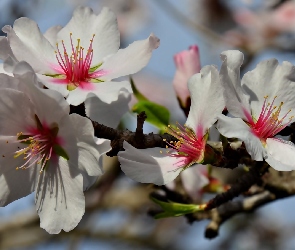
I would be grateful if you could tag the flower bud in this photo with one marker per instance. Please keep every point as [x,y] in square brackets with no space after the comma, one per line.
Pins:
[187,64]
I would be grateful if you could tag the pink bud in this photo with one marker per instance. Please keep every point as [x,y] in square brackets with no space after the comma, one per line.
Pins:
[187,64]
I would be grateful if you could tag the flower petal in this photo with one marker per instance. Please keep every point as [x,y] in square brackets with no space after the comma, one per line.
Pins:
[103,146]
[106,91]
[14,184]
[16,112]
[235,99]
[59,197]
[194,179]
[280,154]
[129,60]
[5,50]
[84,24]
[51,34]
[270,79]
[237,128]
[28,44]
[50,83]
[9,64]
[89,152]
[148,165]
[207,100]
[108,114]
[56,106]
[7,80]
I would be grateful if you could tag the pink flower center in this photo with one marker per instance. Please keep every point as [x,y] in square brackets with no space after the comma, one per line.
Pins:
[269,123]
[76,65]
[189,148]
[43,144]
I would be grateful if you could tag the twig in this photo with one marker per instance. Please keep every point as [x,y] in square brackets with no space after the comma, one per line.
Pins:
[137,139]
[228,210]
[242,185]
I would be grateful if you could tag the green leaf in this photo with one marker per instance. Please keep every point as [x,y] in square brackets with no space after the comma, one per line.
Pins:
[173,209]
[157,114]
[137,94]
[60,152]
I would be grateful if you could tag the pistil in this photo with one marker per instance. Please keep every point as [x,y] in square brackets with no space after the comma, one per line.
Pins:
[42,144]
[76,66]
[269,123]
[189,148]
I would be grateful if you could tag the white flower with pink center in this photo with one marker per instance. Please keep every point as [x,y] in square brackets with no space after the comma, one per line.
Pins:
[81,59]
[74,66]
[46,150]
[264,104]
[160,166]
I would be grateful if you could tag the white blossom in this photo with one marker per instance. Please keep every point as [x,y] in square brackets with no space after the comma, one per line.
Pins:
[81,59]
[159,166]
[46,150]
[263,103]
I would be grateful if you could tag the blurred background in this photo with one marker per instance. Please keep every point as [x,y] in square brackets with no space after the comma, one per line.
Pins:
[116,213]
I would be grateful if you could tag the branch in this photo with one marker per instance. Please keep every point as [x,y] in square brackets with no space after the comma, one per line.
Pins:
[228,210]
[276,185]
[219,209]
[242,185]
[137,139]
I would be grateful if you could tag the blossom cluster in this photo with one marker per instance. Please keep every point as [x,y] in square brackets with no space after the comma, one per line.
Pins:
[46,149]
[260,106]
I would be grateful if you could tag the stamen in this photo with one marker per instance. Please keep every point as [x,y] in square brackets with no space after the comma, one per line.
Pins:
[76,66]
[40,143]
[189,148]
[268,123]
